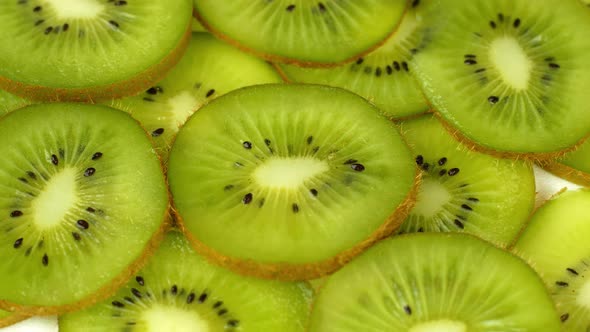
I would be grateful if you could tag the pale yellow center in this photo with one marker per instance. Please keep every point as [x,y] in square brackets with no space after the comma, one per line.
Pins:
[510,59]
[58,196]
[288,173]
[182,106]
[443,325]
[170,319]
[69,9]
[431,198]
[583,298]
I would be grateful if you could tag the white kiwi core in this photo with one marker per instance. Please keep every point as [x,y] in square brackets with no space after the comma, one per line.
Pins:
[182,106]
[443,325]
[162,318]
[583,297]
[288,173]
[511,61]
[432,196]
[59,195]
[72,9]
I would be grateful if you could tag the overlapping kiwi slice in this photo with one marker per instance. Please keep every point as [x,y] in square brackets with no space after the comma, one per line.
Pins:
[503,74]
[434,282]
[208,69]
[79,208]
[573,166]
[556,244]
[312,33]
[289,181]
[466,191]
[179,291]
[89,49]
[9,318]
[10,102]
[381,76]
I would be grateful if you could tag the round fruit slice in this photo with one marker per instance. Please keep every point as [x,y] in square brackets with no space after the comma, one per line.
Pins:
[82,196]
[573,166]
[179,291]
[208,69]
[383,75]
[9,318]
[556,244]
[506,77]
[434,282]
[10,102]
[91,49]
[289,181]
[466,191]
[311,33]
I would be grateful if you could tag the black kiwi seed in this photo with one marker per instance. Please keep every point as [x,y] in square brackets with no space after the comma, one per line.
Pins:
[37,9]
[516,23]
[233,323]
[228,187]
[117,304]
[157,132]
[405,66]
[31,175]
[247,198]
[23,180]
[419,160]
[470,62]
[290,8]
[39,22]
[16,213]
[295,208]
[493,99]
[48,30]
[564,317]
[359,61]
[136,292]
[45,260]
[554,65]
[466,207]
[378,72]
[425,166]
[174,290]
[65,27]
[18,243]
[396,66]
[459,223]
[114,24]
[309,140]
[415,3]
[97,155]
[203,298]
[89,171]
[350,161]
[29,250]
[190,298]
[453,171]
[389,70]
[154,90]
[82,224]
[217,304]
[76,236]
[322,7]
[442,172]
[500,17]
[210,93]
[442,161]
[247,145]
[313,192]
[91,210]
[140,280]
[267,142]
[561,283]
[222,312]
[569,269]
[493,24]
[357,167]
[120,3]
[407,309]
[54,160]
[473,199]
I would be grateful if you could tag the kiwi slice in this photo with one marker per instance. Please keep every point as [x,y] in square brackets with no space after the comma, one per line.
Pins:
[556,244]
[502,73]
[82,197]
[311,33]
[9,318]
[289,181]
[383,75]
[466,191]
[573,166]
[89,50]
[434,282]
[179,291]
[10,102]
[208,69]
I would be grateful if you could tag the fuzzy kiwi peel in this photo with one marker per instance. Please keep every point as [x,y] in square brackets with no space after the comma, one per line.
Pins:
[179,290]
[95,33]
[334,28]
[66,189]
[278,168]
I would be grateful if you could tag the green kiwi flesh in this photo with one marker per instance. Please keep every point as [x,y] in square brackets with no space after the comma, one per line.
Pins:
[555,243]
[289,174]
[434,282]
[502,74]
[573,166]
[305,32]
[381,76]
[72,44]
[466,191]
[179,291]
[208,69]
[82,196]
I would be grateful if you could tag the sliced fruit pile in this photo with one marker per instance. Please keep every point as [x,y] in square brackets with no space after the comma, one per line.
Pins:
[290,165]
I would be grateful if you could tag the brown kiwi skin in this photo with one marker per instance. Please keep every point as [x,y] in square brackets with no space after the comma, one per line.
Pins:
[299,272]
[133,86]
[13,319]
[566,172]
[537,157]
[107,291]
[272,58]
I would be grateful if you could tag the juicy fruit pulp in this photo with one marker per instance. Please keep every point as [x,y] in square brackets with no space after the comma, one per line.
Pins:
[290,179]
[305,32]
[75,202]
[208,69]
[501,73]
[70,46]
[466,191]
[434,282]
[556,244]
[179,291]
